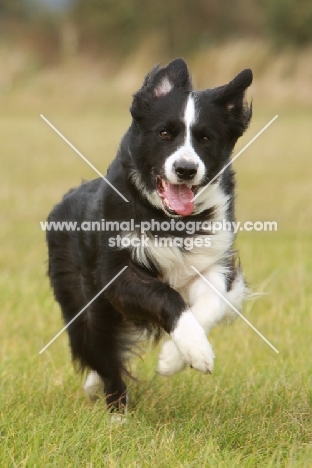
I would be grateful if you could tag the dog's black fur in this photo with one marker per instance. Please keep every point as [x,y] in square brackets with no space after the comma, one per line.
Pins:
[81,263]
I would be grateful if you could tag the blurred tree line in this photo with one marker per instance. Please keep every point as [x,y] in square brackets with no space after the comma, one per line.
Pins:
[119,26]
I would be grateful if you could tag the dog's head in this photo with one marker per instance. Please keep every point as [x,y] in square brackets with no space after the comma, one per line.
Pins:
[180,139]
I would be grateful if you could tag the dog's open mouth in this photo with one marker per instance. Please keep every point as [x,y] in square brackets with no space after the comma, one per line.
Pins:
[177,199]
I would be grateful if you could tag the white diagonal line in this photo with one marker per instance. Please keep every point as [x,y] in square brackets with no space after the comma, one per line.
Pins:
[235,157]
[237,311]
[82,156]
[82,310]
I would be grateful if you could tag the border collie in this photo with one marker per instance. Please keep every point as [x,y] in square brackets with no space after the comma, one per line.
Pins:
[170,169]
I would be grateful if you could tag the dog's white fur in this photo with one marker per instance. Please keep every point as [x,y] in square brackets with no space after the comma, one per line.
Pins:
[209,309]
[186,151]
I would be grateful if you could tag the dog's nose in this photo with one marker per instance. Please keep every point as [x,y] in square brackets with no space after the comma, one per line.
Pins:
[185,170]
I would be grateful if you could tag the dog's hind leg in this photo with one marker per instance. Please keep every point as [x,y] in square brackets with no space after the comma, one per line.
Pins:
[94,334]
[102,352]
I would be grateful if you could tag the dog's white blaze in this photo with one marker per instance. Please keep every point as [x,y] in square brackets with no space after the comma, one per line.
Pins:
[189,118]
[186,151]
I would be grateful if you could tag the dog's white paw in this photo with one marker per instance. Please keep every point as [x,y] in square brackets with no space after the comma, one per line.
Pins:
[191,341]
[93,385]
[170,360]
[117,419]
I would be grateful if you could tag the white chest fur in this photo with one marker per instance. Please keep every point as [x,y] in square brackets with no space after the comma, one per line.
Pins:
[202,251]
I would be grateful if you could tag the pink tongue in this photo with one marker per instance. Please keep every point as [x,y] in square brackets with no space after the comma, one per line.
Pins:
[180,198]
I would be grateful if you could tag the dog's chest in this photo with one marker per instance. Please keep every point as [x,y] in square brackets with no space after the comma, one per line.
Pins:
[175,257]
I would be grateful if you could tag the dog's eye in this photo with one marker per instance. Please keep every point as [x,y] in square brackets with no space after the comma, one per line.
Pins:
[204,138]
[165,135]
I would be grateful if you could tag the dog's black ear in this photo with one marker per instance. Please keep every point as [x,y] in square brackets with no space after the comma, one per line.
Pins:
[162,80]
[159,82]
[232,98]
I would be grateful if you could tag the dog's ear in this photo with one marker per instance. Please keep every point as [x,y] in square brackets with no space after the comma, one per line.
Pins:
[233,92]
[162,80]
[232,98]
[158,83]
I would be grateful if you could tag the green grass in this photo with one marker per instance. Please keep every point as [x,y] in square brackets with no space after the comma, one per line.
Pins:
[254,411]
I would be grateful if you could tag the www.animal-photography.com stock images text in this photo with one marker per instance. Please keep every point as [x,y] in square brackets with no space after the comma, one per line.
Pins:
[156,260]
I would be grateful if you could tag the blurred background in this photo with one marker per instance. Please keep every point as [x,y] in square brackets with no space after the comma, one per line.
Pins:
[87,43]
[78,63]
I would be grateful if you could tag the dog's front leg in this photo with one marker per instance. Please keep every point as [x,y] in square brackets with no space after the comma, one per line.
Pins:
[208,308]
[139,296]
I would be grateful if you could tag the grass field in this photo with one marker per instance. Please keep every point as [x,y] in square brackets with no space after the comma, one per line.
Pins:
[255,410]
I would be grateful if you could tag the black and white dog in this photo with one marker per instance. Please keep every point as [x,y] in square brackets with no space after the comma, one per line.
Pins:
[179,140]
